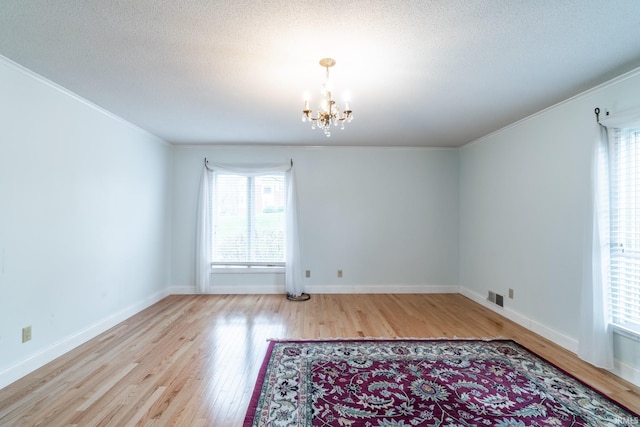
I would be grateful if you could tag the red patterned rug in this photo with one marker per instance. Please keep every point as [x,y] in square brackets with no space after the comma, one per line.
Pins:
[434,383]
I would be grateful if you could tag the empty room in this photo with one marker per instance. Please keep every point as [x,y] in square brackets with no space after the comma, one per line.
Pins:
[296,213]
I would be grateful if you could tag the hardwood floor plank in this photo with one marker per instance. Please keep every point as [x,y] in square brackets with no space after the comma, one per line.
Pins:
[193,359]
[105,386]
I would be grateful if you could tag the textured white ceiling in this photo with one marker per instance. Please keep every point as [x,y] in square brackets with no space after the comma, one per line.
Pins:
[419,73]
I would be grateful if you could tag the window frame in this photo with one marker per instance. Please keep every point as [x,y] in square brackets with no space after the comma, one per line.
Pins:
[243,267]
[617,249]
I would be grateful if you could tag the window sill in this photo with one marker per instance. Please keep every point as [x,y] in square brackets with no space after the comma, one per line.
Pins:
[627,333]
[247,270]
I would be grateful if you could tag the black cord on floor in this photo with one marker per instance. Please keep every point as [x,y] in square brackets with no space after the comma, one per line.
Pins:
[302,297]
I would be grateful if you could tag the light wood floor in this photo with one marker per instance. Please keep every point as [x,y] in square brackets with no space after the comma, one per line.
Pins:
[193,360]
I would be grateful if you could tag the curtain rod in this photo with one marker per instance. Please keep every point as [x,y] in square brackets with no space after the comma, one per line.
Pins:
[205,161]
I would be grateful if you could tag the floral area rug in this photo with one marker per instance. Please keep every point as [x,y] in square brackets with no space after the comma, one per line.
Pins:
[422,383]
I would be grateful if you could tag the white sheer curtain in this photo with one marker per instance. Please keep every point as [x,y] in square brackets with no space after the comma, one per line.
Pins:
[595,343]
[203,232]
[294,285]
[293,274]
[596,334]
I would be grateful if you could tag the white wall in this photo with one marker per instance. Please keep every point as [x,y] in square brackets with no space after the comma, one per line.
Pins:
[83,220]
[387,217]
[524,194]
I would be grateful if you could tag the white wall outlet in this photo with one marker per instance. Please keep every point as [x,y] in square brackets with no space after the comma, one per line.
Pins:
[26,334]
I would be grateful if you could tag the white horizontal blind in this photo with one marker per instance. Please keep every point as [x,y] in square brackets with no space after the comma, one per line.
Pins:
[248,220]
[625,228]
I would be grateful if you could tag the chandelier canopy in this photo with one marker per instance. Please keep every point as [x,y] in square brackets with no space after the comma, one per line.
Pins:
[329,111]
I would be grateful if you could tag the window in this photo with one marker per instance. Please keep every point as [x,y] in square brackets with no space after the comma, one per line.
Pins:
[248,220]
[624,159]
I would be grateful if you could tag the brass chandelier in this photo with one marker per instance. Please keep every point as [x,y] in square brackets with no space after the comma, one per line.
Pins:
[329,111]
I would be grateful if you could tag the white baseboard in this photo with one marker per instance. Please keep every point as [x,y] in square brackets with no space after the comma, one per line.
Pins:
[68,343]
[629,373]
[322,289]
[382,289]
[182,290]
[247,289]
[229,290]
[559,338]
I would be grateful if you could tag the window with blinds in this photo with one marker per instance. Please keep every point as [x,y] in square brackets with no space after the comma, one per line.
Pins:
[248,220]
[624,158]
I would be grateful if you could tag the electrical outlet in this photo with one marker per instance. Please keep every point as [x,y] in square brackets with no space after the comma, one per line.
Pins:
[510,293]
[339,273]
[307,273]
[26,334]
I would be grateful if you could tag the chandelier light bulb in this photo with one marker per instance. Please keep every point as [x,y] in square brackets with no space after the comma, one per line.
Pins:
[329,112]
